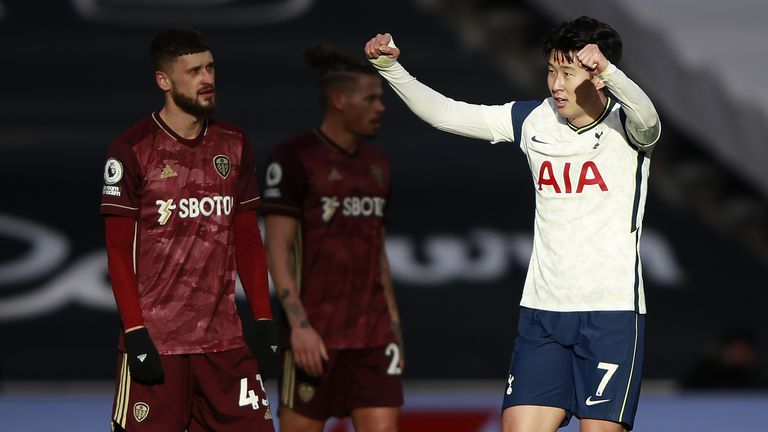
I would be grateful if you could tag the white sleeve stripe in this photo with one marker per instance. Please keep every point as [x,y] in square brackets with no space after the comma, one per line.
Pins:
[121,206]
[250,200]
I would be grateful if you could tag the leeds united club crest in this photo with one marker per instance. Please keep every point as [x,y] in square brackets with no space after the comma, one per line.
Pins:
[222,165]
[306,392]
[140,411]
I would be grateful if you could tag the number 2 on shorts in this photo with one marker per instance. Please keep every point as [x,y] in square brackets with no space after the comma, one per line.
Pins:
[393,351]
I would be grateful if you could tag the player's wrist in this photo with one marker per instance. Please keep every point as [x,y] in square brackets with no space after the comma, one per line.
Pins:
[143,357]
[301,325]
[138,338]
[263,345]
[609,70]
[384,61]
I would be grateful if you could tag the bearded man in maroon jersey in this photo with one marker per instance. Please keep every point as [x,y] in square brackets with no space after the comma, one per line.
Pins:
[179,201]
[326,206]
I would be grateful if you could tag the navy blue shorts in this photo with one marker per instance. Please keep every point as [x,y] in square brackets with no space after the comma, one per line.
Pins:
[588,363]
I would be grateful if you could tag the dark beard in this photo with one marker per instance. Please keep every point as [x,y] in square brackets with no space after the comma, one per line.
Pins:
[189,106]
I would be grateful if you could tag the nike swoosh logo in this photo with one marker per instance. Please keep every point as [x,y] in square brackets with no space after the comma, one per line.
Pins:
[536,139]
[591,402]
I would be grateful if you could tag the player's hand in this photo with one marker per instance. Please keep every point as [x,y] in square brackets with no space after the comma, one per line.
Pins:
[308,350]
[264,346]
[143,358]
[381,50]
[592,59]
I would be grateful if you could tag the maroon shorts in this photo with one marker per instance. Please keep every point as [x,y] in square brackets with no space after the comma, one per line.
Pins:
[352,378]
[220,391]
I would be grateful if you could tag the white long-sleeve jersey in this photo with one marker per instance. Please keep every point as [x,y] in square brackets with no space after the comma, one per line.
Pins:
[590,185]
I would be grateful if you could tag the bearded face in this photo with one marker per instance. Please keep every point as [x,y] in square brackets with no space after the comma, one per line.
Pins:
[202,104]
[191,84]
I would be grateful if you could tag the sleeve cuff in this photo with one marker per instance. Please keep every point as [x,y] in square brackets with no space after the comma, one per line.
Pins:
[610,70]
[279,209]
[110,209]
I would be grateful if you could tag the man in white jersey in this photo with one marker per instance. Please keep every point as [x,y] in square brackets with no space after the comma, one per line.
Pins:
[580,337]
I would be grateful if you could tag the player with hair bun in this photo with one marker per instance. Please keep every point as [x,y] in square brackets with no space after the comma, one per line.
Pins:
[326,204]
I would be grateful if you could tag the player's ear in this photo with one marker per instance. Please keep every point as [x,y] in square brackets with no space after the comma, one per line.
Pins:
[163,80]
[336,99]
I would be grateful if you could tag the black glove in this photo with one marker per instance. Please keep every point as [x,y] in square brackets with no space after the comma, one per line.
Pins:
[264,346]
[143,358]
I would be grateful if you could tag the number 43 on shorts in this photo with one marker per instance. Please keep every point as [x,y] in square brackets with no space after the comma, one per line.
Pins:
[250,397]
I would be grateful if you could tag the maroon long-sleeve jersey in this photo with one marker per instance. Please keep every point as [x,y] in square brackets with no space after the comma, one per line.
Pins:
[183,194]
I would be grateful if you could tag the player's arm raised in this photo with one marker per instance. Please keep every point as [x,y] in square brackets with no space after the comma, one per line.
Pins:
[389,293]
[642,119]
[446,114]
[308,347]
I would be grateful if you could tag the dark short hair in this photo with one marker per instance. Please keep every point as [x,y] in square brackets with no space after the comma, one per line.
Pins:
[174,42]
[574,35]
[336,70]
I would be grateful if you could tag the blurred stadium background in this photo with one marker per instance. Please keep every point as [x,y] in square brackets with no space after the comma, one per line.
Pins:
[77,73]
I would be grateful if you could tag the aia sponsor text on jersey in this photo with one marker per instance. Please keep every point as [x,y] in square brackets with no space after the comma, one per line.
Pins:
[561,182]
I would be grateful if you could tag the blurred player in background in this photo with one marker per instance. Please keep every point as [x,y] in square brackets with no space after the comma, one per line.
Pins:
[733,363]
[179,200]
[326,206]
[580,338]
